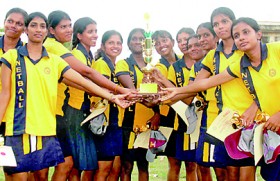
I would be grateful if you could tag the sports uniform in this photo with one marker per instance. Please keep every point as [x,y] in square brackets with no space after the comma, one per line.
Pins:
[81,138]
[167,115]
[135,116]
[29,109]
[178,74]
[205,148]
[109,145]
[226,96]
[19,43]
[55,47]
[265,80]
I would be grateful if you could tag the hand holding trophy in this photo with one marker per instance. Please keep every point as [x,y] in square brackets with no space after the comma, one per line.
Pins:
[148,87]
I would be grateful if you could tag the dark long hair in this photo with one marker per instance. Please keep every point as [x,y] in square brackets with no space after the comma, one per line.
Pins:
[162,34]
[189,31]
[249,21]
[17,10]
[99,53]
[55,17]
[208,26]
[131,33]
[34,15]
[79,27]
[222,10]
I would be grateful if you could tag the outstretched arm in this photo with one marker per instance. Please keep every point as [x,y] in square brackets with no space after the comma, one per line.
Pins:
[126,81]
[198,85]
[94,75]
[6,90]
[72,84]
[164,82]
[76,78]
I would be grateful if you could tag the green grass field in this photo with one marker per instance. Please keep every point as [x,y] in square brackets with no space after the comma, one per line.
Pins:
[158,171]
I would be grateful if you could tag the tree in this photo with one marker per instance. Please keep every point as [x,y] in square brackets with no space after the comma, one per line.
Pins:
[1,31]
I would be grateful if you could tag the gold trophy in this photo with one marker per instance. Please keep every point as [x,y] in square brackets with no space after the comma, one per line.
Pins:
[148,86]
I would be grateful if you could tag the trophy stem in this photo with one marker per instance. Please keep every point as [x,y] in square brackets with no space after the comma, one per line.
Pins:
[148,86]
[148,73]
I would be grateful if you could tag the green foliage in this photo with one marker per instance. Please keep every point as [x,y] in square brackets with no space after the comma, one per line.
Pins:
[1,31]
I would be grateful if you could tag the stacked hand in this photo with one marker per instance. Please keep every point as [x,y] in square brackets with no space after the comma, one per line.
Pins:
[168,93]
[133,96]
[123,100]
[158,78]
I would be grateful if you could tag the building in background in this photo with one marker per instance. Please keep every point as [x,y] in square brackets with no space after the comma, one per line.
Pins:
[270,30]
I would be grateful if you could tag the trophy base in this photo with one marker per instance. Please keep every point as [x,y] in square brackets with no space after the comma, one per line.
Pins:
[148,88]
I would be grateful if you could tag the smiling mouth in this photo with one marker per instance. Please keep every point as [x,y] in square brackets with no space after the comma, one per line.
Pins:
[243,44]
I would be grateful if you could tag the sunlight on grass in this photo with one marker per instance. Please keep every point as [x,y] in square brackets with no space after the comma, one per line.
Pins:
[158,171]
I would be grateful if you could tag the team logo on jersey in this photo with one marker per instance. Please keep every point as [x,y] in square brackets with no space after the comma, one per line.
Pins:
[47,70]
[272,72]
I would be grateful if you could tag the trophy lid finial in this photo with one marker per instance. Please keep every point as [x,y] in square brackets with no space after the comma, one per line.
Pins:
[147,17]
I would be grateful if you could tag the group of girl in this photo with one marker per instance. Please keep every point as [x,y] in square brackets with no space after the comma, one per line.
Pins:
[28,110]
[241,74]
[75,152]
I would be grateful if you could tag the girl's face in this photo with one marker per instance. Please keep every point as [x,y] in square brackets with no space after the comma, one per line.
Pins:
[206,39]
[194,49]
[36,30]
[89,36]
[14,25]
[63,31]
[182,42]
[113,47]
[135,44]
[164,46]
[222,26]
[245,37]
